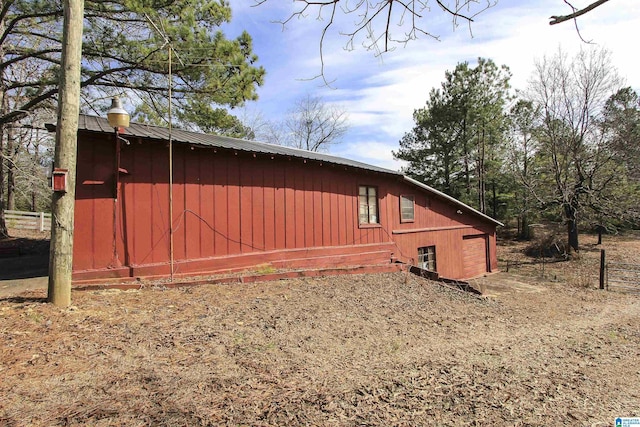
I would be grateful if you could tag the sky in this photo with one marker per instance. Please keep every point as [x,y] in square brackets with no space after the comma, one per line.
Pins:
[380,92]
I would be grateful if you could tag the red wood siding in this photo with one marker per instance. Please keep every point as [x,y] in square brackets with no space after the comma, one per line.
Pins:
[438,223]
[231,204]
[93,227]
[474,255]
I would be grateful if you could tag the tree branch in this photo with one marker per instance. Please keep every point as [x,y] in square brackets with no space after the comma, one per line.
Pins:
[562,18]
[375,18]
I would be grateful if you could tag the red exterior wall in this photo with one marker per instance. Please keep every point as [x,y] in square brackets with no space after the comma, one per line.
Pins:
[438,223]
[246,208]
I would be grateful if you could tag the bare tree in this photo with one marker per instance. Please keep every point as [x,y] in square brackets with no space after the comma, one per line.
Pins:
[273,132]
[571,94]
[30,166]
[381,24]
[314,125]
[524,118]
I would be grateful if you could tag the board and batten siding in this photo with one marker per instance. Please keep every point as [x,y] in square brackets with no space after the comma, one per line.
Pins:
[444,225]
[224,203]
[241,209]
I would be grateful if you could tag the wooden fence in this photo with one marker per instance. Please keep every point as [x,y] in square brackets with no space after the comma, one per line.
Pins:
[39,221]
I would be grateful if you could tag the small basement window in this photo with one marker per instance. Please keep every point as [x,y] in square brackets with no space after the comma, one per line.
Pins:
[427,258]
[407,211]
[368,197]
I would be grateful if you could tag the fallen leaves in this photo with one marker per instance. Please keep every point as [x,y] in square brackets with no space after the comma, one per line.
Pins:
[352,350]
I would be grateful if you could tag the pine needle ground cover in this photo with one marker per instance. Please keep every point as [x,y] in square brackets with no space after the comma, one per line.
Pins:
[387,349]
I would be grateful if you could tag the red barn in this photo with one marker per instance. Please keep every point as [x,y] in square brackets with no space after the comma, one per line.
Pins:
[239,204]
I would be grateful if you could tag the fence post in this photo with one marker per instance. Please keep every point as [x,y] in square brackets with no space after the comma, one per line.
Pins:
[41,222]
[602,268]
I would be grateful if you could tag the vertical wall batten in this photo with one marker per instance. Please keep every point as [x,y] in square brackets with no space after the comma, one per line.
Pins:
[326,209]
[257,214]
[317,211]
[289,206]
[280,210]
[207,208]
[333,212]
[221,206]
[234,205]
[308,208]
[299,191]
[269,206]
[191,209]
[139,165]
[246,205]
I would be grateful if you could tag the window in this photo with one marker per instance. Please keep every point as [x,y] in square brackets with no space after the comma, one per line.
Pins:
[427,258]
[406,208]
[368,205]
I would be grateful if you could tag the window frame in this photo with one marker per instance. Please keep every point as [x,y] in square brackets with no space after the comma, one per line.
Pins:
[413,208]
[368,197]
[424,258]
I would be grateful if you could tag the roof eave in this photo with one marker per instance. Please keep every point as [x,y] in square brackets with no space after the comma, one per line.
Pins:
[95,124]
[453,200]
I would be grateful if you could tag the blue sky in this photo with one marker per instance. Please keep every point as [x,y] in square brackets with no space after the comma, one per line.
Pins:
[381,93]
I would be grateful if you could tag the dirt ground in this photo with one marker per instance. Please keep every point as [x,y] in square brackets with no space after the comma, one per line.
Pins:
[542,348]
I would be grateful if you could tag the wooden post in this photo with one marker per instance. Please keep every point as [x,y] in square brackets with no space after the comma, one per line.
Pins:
[62,204]
[41,222]
[602,268]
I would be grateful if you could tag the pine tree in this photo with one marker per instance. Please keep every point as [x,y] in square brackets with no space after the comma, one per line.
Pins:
[125,50]
[457,143]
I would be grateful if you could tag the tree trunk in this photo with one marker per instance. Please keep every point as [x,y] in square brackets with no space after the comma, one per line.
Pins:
[36,159]
[3,104]
[11,166]
[482,202]
[447,174]
[494,201]
[525,230]
[572,226]
[465,147]
[3,225]
[62,204]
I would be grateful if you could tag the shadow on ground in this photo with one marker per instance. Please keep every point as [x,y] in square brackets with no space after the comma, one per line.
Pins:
[24,264]
[24,300]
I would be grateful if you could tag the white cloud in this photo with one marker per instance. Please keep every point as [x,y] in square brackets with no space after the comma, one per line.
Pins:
[380,95]
[376,153]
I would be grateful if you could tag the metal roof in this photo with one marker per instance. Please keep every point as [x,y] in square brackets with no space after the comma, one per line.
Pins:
[100,124]
[451,199]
